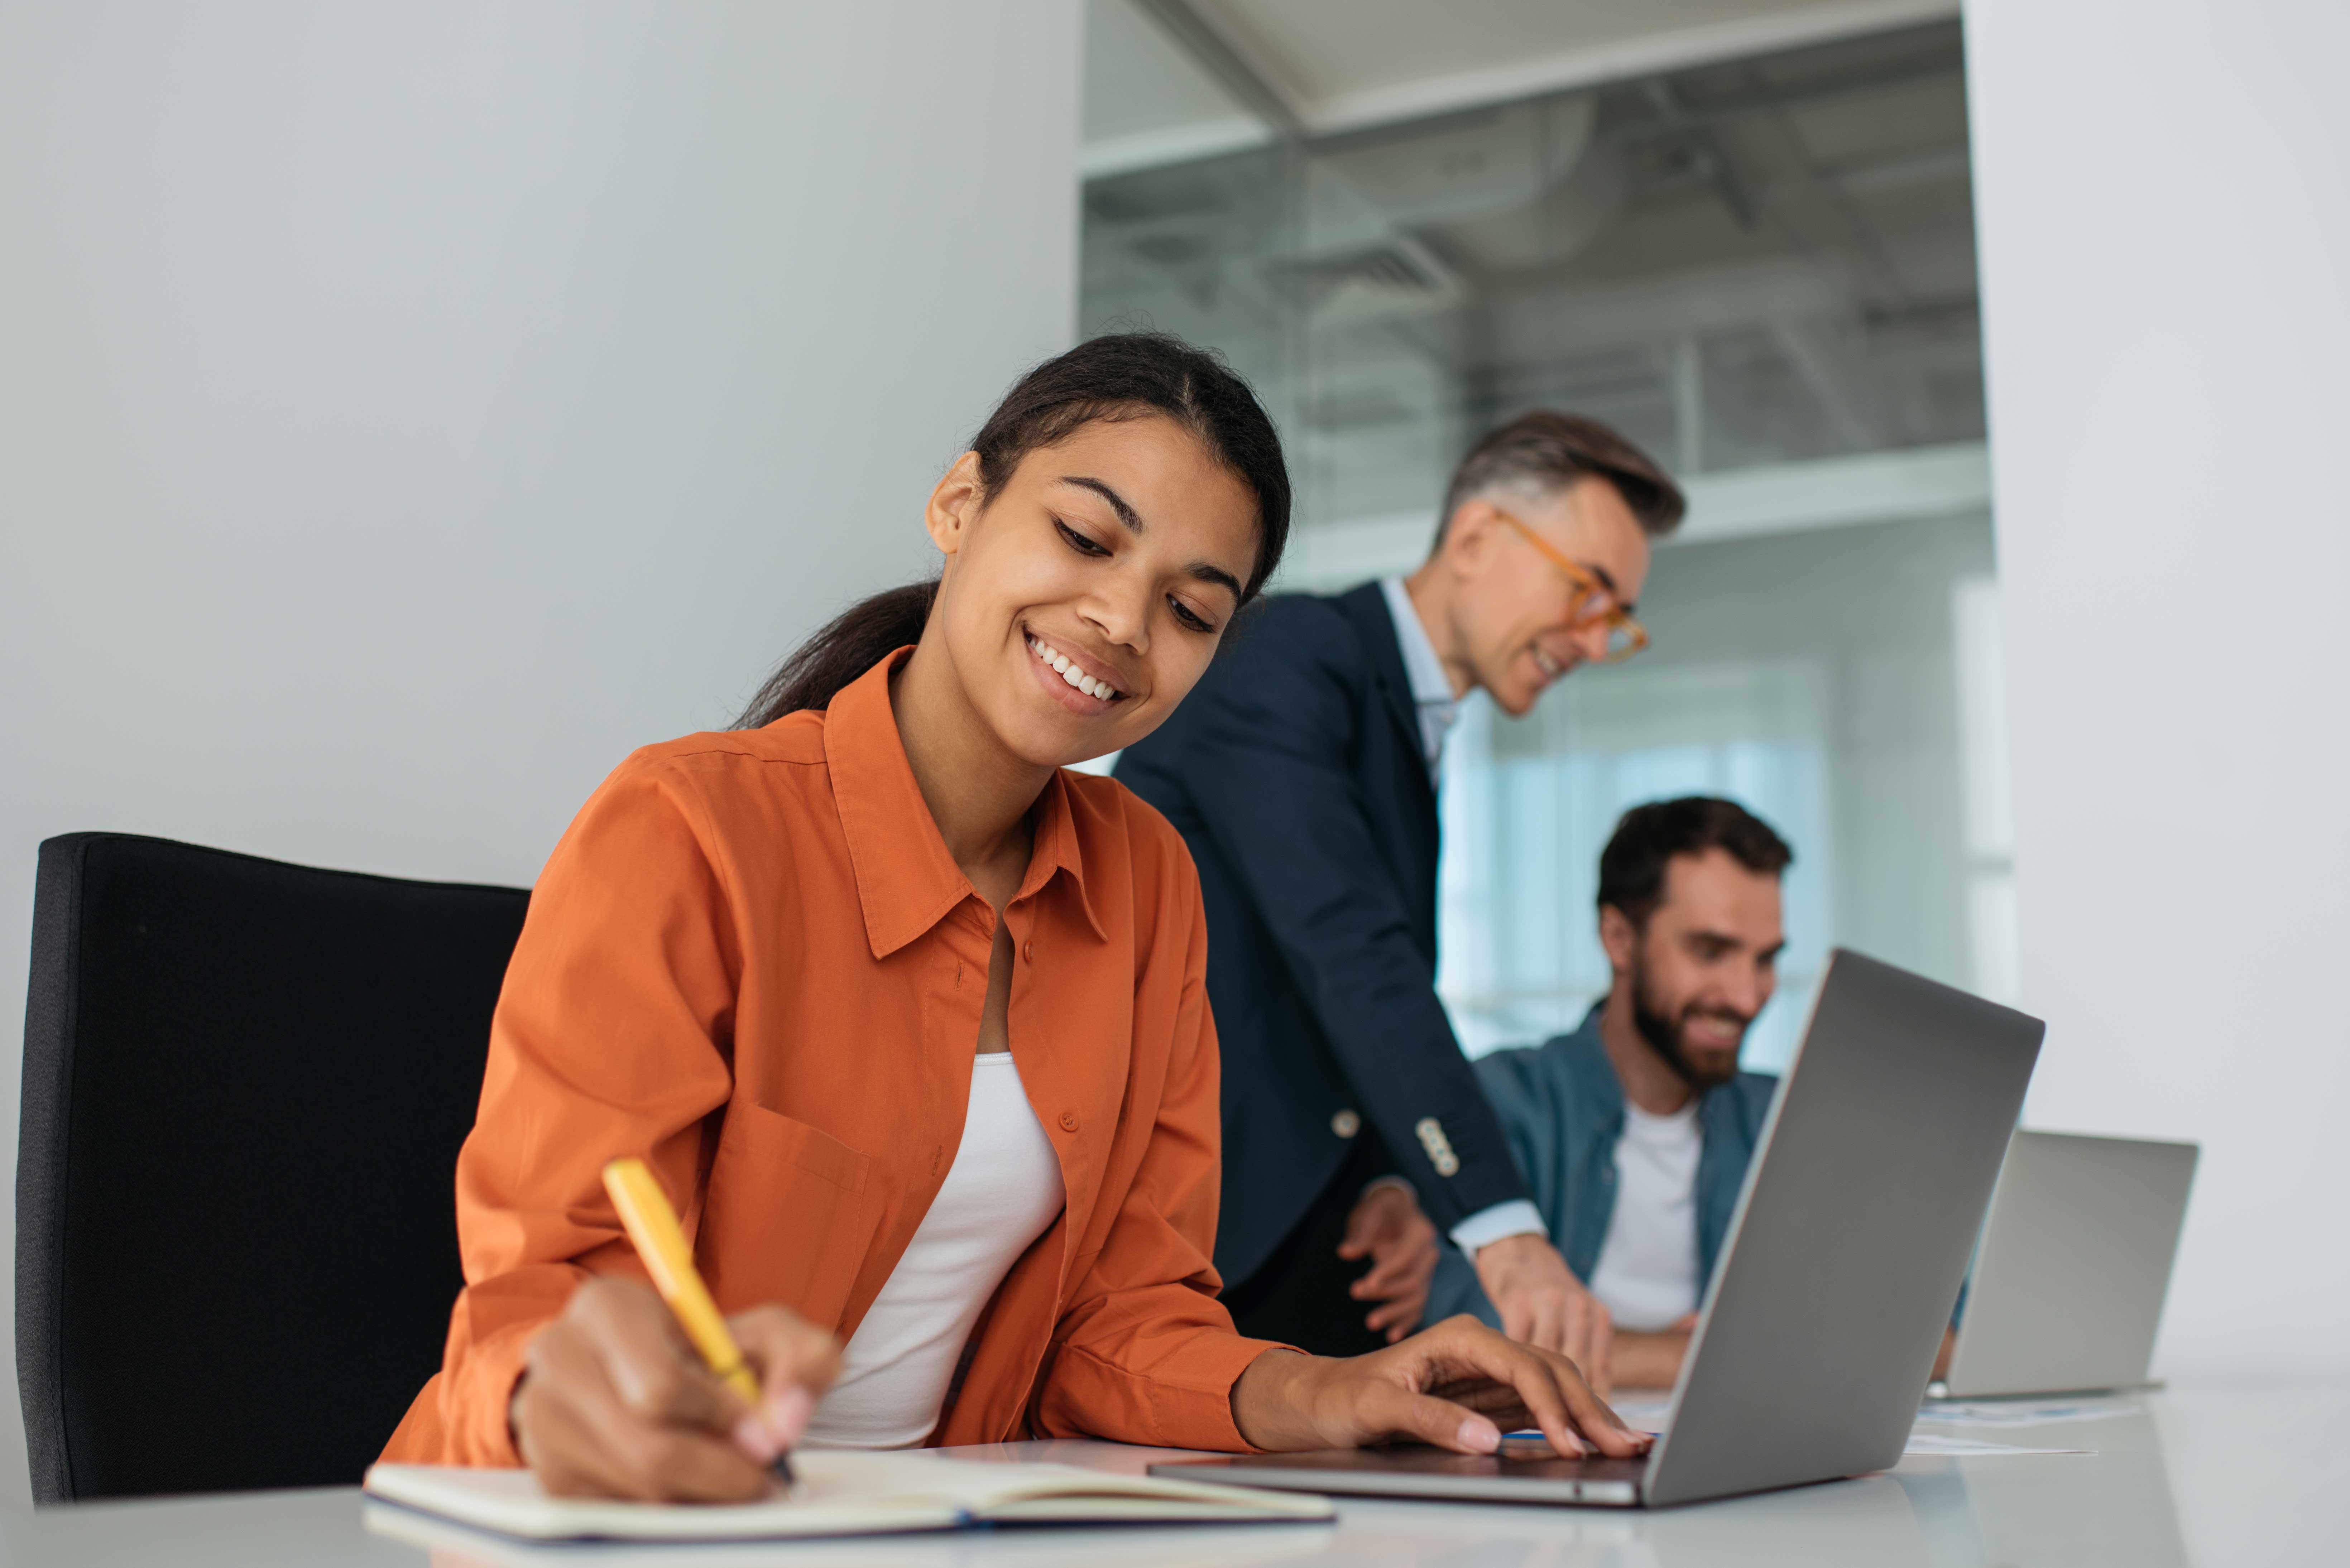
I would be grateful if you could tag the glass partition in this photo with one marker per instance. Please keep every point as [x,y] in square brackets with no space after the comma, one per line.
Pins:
[1762,270]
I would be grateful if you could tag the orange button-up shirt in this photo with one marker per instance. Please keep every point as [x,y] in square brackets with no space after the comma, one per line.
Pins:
[752,962]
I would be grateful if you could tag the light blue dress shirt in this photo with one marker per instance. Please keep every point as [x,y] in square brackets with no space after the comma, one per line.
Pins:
[1431,688]
[1440,710]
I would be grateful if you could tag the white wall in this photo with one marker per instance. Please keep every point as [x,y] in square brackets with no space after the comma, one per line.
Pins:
[2164,226]
[406,410]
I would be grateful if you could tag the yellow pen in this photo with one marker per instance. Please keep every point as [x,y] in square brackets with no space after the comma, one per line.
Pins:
[652,1225]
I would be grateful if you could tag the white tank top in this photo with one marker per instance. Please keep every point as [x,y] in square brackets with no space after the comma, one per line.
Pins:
[1003,1191]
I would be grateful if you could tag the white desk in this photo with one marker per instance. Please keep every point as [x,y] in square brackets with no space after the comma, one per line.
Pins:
[2204,1474]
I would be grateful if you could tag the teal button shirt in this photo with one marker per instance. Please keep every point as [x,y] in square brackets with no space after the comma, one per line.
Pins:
[1563,1110]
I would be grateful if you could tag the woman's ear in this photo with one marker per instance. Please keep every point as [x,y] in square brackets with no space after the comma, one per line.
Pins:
[956,500]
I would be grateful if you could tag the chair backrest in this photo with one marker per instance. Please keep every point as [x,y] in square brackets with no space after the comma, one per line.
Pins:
[246,1083]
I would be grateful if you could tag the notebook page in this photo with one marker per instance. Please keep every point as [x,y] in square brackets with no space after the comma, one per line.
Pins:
[839,1493]
[1281,1544]
[995,1490]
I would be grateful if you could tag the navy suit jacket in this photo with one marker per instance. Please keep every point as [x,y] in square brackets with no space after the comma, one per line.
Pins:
[1294,772]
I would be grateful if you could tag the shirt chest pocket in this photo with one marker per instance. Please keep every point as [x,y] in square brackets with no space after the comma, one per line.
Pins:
[791,1215]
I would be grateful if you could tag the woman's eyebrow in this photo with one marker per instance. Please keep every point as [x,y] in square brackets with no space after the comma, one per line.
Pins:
[1208,572]
[1125,515]
[1204,571]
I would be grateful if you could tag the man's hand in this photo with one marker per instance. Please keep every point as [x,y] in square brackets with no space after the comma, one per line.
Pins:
[1387,1228]
[1542,1303]
[1650,1360]
[1459,1386]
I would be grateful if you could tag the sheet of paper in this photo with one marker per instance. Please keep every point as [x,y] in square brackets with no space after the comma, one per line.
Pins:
[2023,1412]
[1652,1412]
[1971,1447]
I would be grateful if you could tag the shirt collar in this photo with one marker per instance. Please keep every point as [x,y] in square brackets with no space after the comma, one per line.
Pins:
[1431,688]
[907,882]
[1420,665]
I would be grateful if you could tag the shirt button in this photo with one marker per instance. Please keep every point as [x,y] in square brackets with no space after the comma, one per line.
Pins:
[1029,952]
[1068,1121]
[1345,1124]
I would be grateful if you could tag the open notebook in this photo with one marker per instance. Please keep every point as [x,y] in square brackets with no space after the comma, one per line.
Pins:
[839,1493]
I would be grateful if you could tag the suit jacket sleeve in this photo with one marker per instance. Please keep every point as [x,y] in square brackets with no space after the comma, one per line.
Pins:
[1266,765]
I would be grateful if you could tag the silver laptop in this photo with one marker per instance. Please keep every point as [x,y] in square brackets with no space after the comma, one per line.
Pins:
[1825,1312]
[2075,1262]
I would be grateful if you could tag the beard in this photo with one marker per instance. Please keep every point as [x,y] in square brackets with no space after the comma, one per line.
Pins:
[1668,1038]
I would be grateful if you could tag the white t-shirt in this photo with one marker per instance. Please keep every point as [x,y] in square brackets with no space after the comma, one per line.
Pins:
[1003,1190]
[1647,1275]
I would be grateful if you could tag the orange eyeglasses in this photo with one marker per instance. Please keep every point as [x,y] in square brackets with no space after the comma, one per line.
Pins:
[1595,602]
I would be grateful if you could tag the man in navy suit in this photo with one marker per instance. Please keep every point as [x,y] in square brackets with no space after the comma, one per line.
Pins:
[1302,771]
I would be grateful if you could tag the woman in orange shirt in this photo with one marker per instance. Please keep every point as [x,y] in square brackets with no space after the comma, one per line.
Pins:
[912,1024]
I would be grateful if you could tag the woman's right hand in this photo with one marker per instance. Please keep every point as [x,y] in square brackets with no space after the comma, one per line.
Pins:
[614,1402]
[1459,1386]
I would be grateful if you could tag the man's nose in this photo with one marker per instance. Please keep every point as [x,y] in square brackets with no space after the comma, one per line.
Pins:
[1749,991]
[1591,641]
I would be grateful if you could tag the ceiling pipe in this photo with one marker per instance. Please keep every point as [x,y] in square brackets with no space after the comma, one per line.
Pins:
[1210,43]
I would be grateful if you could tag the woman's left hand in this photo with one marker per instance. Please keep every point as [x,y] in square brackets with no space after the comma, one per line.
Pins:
[1459,1386]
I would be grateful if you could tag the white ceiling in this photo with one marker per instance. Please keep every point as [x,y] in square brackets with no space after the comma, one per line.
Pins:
[1339,64]
[1148,100]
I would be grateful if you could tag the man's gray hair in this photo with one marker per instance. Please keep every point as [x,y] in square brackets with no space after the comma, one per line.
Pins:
[1540,453]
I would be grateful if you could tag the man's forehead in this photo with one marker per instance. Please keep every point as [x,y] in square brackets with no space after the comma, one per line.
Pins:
[1714,879]
[1591,520]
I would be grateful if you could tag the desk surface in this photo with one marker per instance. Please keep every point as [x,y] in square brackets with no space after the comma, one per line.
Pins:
[2197,1474]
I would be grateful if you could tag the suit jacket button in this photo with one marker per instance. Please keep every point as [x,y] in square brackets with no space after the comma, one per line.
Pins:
[1431,1133]
[1345,1124]
[1029,952]
[1068,1121]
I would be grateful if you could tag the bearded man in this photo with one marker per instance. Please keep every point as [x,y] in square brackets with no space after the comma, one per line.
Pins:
[1634,1130]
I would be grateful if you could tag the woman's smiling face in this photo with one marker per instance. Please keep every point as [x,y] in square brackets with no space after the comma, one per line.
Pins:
[1082,599]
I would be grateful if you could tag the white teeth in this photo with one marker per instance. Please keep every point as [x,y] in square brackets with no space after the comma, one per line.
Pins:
[1067,670]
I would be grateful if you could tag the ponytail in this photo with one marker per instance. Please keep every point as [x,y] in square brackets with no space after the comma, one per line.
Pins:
[854,641]
[1121,377]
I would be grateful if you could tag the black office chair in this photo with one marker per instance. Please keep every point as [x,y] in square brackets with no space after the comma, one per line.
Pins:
[246,1083]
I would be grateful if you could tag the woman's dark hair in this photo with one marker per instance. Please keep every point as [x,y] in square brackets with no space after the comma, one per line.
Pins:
[1632,867]
[1126,376]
